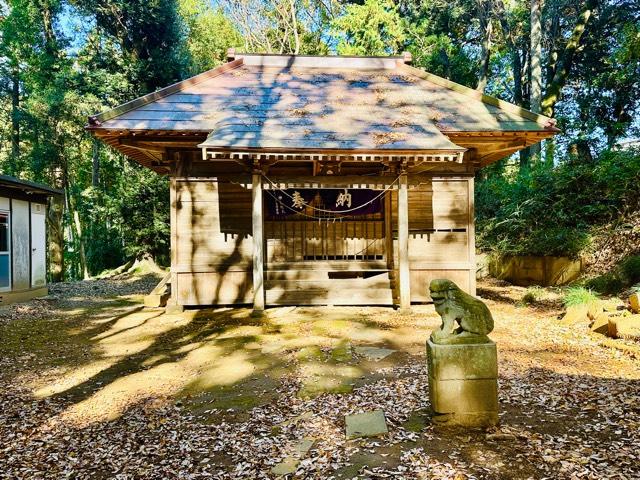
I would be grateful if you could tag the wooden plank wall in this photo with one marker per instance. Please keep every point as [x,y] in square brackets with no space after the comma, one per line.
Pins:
[211,243]
[440,230]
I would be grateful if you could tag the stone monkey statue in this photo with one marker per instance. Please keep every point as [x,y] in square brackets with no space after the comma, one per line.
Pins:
[465,319]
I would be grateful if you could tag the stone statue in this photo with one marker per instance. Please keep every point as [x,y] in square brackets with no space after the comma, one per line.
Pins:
[465,319]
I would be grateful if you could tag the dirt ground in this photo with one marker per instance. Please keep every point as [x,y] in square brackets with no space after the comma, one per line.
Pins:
[94,386]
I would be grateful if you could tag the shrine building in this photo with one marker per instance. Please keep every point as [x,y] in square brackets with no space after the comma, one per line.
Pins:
[302,180]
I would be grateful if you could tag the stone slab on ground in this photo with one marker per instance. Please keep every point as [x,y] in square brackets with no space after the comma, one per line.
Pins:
[303,446]
[374,353]
[286,467]
[627,327]
[366,424]
[290,464]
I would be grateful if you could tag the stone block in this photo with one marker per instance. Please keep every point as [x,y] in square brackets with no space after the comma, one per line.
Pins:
[600,323]
[462,362]
[465,396]
[374,353]
[634,301]
[367,424]
[173,309]
[154,300]
[463,383]
[625,327]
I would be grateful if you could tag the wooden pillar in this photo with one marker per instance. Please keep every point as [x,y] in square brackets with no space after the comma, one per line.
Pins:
[173,197]
[471,234]
[403,244]
[388,231]
[258,242]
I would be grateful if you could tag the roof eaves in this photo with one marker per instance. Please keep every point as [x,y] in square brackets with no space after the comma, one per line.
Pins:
[97,120]
[28,186]
[546,122]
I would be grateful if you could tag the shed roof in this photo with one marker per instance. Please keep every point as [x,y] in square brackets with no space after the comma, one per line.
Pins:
[27,186]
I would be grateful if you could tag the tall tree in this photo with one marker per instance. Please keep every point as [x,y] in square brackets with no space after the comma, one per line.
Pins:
[209,34]
[373,28]
[485,14]
[535,63]
[560,73]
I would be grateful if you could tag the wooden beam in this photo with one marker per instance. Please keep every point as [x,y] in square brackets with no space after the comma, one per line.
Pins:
[258,243]
[404,277]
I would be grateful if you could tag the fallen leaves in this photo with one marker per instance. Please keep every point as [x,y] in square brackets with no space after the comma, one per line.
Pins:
[570,409]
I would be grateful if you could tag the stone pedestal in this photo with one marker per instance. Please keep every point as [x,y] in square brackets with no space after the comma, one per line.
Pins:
[463,383]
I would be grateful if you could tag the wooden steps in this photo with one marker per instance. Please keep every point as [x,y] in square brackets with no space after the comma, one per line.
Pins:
[160,294]
[328,286]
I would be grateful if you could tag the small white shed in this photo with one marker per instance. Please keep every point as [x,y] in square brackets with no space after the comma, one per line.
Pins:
[23,239]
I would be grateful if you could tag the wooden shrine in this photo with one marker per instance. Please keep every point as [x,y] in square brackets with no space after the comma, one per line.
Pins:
[302,180]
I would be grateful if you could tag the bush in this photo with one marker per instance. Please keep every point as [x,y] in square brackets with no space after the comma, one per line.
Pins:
[532,295]
[551,211]
[630,269]
[578,296]
[606,284]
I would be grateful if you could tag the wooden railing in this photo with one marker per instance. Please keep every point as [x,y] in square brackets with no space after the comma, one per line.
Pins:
[352,238]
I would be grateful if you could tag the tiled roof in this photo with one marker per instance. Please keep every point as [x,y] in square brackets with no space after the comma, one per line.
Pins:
[341,103]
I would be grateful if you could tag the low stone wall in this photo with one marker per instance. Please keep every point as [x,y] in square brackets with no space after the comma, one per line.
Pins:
[529,270]
[7,298]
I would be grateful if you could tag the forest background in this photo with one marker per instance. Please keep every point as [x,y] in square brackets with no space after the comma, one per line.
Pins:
[575,60]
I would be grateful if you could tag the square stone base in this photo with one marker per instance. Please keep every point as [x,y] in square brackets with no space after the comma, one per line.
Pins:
[463,383]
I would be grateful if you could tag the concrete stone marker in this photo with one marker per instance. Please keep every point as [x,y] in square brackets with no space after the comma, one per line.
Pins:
[367,424]
[461,359]
[463,385]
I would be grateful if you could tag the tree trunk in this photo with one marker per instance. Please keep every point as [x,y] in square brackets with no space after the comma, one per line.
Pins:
[294,20]
[484,10]
[55,229]
[77,227]
[15,120]
[535,64]
[95,164]
[552,94]
[516,62]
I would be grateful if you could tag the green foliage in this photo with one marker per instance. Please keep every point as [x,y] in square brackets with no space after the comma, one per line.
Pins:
[533,295]
[578,296]
[630,269]
[373,28]
[146,225]
[210,34]
[606,284]
[624,275]
[150,34]
[550,211]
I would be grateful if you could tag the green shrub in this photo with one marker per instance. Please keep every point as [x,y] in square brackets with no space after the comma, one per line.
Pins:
[578,296]
[532,295]
[609,283]
[630,269]
[547,210]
